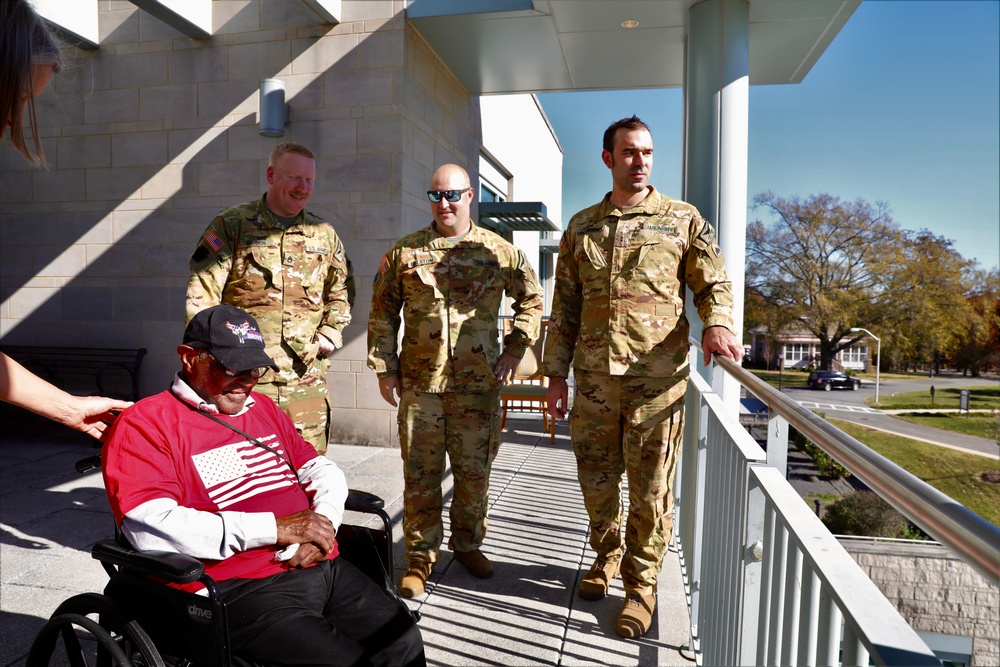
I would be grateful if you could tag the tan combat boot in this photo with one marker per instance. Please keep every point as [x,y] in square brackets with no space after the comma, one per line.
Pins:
[595,583]
[476,563]
[636,615]
[412,583]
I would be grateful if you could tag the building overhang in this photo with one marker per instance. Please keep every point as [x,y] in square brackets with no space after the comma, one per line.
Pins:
[534,46]
[515,216]
[549,246]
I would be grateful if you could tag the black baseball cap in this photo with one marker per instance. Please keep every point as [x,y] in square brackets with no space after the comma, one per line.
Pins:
[231,335]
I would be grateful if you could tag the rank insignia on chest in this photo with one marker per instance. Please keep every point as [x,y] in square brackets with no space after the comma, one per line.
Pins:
[321,250]
[289,261]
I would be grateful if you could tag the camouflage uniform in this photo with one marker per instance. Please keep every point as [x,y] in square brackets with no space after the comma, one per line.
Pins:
[296,282]
[450,295]
[618,316]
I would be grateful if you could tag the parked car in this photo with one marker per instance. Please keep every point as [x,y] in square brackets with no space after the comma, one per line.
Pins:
[827,380]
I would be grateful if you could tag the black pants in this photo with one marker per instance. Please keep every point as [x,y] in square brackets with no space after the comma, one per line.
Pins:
[328,615]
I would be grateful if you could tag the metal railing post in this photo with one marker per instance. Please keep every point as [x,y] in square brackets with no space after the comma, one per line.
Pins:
[753,575]
[777,443]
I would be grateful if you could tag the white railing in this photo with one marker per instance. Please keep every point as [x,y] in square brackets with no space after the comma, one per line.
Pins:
[767,583]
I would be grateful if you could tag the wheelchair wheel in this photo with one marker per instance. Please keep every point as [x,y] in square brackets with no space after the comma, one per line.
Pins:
[113,640]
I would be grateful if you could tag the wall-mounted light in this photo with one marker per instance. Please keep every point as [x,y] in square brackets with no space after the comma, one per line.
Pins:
[273,110]
[630,23]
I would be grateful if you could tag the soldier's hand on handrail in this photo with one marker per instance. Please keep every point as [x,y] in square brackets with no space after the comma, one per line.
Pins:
[720,339]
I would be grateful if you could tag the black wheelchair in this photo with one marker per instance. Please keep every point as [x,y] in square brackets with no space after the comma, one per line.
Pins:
[139,621]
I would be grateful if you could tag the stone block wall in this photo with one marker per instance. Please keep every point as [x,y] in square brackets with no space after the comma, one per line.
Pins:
[149,136]
[935,592]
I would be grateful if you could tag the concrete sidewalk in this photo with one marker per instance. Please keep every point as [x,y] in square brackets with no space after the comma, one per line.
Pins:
[527,614]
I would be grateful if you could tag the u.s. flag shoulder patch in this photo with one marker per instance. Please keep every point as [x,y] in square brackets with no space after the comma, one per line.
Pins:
[213,241]
[384,265]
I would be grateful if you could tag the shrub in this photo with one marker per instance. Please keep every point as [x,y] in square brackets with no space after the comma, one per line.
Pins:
[824,463]
[864,513]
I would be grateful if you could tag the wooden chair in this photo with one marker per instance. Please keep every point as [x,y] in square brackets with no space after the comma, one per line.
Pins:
[527,390]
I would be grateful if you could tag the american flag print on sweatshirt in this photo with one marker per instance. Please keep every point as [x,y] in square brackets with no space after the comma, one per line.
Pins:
[236,472]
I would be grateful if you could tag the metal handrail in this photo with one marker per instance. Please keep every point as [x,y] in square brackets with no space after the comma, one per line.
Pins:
[974,539]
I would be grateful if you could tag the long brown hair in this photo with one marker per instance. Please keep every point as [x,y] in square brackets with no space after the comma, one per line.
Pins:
[24,43]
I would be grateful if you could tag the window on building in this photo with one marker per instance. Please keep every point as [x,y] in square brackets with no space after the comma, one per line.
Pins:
[855,356]
[795,352]
[494,180]
[488,194]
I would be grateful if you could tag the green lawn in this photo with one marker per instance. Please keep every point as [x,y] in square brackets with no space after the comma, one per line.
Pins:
[953,473]
[794,378]
[869,378]
[981,425]
[788,378]
[980,398]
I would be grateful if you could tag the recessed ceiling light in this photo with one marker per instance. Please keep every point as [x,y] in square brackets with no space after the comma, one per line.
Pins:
[630,23]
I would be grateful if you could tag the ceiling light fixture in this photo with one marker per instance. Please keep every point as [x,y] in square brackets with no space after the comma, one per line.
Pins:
[630,23]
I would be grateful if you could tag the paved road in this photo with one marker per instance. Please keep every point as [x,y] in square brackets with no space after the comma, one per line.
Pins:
[850,406]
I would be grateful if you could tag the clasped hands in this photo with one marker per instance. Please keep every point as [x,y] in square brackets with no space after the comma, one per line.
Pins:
[313,533]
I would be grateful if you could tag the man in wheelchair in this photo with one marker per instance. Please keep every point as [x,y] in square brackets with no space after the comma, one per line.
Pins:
[210,470]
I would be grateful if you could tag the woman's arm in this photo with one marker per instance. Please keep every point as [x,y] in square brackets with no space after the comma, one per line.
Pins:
[89,414]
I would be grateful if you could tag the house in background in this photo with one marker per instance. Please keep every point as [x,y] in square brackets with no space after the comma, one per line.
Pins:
[799,349]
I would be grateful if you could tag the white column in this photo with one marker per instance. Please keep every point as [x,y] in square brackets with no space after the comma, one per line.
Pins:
[716,102]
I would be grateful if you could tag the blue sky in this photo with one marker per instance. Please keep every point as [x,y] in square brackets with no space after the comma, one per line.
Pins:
[904,107]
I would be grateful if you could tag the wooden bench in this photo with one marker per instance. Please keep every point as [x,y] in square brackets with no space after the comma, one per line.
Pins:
[112,372]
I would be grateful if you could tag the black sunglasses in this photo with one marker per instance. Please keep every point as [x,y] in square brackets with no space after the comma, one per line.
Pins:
[253,372]
[451,195]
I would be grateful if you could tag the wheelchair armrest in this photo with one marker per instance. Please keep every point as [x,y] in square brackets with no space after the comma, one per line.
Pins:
[168,565]
[362,501]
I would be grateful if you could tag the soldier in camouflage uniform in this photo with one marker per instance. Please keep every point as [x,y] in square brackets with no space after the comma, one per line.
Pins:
[448,280]
[288,269]
[618,318]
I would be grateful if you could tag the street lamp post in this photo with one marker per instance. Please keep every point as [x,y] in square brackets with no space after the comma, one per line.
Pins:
[878,353]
